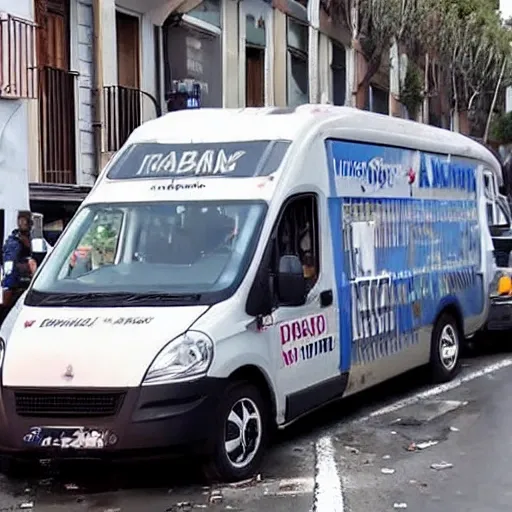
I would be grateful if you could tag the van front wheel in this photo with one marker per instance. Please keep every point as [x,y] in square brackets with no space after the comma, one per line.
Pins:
[240,434]
[445,349]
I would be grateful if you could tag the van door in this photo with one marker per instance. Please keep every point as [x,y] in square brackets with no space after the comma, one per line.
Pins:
[304,339]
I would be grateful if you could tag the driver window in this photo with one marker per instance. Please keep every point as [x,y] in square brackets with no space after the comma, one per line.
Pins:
[297,234]
[98,246]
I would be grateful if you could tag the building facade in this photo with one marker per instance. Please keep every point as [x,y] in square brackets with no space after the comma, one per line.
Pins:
[77,76]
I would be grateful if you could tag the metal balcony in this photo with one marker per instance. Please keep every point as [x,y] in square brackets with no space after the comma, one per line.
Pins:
[57,118]
[124,109]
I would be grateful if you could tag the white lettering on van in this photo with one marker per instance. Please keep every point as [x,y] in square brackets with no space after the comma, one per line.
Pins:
[375,173]
[208,162]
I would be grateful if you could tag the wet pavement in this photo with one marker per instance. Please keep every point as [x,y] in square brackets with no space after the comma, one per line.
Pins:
[379,456]
[449,452]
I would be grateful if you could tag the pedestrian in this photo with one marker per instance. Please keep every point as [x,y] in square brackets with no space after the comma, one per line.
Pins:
[18,263]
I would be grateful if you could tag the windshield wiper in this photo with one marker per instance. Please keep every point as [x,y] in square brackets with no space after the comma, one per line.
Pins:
[77,298]
[117,297]
[157,297]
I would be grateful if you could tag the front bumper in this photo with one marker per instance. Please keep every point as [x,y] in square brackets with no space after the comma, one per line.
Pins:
[500,314]
[149,420]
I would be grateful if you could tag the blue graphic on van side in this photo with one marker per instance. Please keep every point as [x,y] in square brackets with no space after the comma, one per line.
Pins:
[399,260]
[365,169]
[445,174]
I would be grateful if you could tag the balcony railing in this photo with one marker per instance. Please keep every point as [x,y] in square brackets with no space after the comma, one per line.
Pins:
[124,109]
[57,117]
[18,70]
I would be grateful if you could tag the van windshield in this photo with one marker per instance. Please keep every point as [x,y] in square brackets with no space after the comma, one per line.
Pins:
[151,254]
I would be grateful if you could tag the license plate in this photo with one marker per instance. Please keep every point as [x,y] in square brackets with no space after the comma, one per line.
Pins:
[78,438]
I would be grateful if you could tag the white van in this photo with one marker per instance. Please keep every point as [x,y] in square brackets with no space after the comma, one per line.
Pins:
[233,270]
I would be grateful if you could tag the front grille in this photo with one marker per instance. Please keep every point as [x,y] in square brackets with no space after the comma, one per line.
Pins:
[65,405]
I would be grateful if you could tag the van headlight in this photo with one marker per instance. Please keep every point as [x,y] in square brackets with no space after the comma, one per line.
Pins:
[189,355]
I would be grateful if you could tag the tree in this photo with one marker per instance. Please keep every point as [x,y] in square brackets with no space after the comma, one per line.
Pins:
[468,46]
[502,129]
[375,26]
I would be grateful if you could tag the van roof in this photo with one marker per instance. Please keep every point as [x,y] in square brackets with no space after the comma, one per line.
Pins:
[293,123]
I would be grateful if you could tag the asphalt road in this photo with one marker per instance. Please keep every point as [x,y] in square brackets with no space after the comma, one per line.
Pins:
[470,424]
[447,452]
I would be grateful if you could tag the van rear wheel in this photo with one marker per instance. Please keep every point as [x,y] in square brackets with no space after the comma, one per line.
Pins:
[240,434]
[445,349]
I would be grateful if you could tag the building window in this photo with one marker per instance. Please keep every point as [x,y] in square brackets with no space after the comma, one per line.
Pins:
[379,100]
[255,37]
[339,74]
[208,11]
[193,66]
[297,65]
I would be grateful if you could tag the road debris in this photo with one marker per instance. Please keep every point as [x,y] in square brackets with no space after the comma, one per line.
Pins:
[27,505]
[386,457]
[421,446]
[399,505]
[441,465]
[454,429]
[352,449]
[243,483]
[426,444]
[387,471]
[393,433]
[216,497]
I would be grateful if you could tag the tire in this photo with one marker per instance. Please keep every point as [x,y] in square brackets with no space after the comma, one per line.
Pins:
[445,349]
[223,465]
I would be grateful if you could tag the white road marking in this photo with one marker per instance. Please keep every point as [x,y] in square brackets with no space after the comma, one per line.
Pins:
[437,390]
[328,492]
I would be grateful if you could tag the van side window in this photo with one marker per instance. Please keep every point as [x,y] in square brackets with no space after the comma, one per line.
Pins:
[297,234]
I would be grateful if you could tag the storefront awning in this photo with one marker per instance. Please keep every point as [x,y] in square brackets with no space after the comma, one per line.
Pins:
[64,193]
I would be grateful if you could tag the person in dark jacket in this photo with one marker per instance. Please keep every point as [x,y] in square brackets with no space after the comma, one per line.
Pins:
[18,264]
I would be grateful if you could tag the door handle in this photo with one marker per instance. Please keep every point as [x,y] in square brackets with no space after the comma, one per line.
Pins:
[326,298]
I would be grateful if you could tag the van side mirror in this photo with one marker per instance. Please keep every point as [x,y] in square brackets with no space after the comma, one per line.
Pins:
[291,283]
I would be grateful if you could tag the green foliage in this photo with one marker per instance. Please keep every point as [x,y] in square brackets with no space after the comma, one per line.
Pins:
[501,129]
[466,41]
[103,233]
[411,92]
[469,44]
